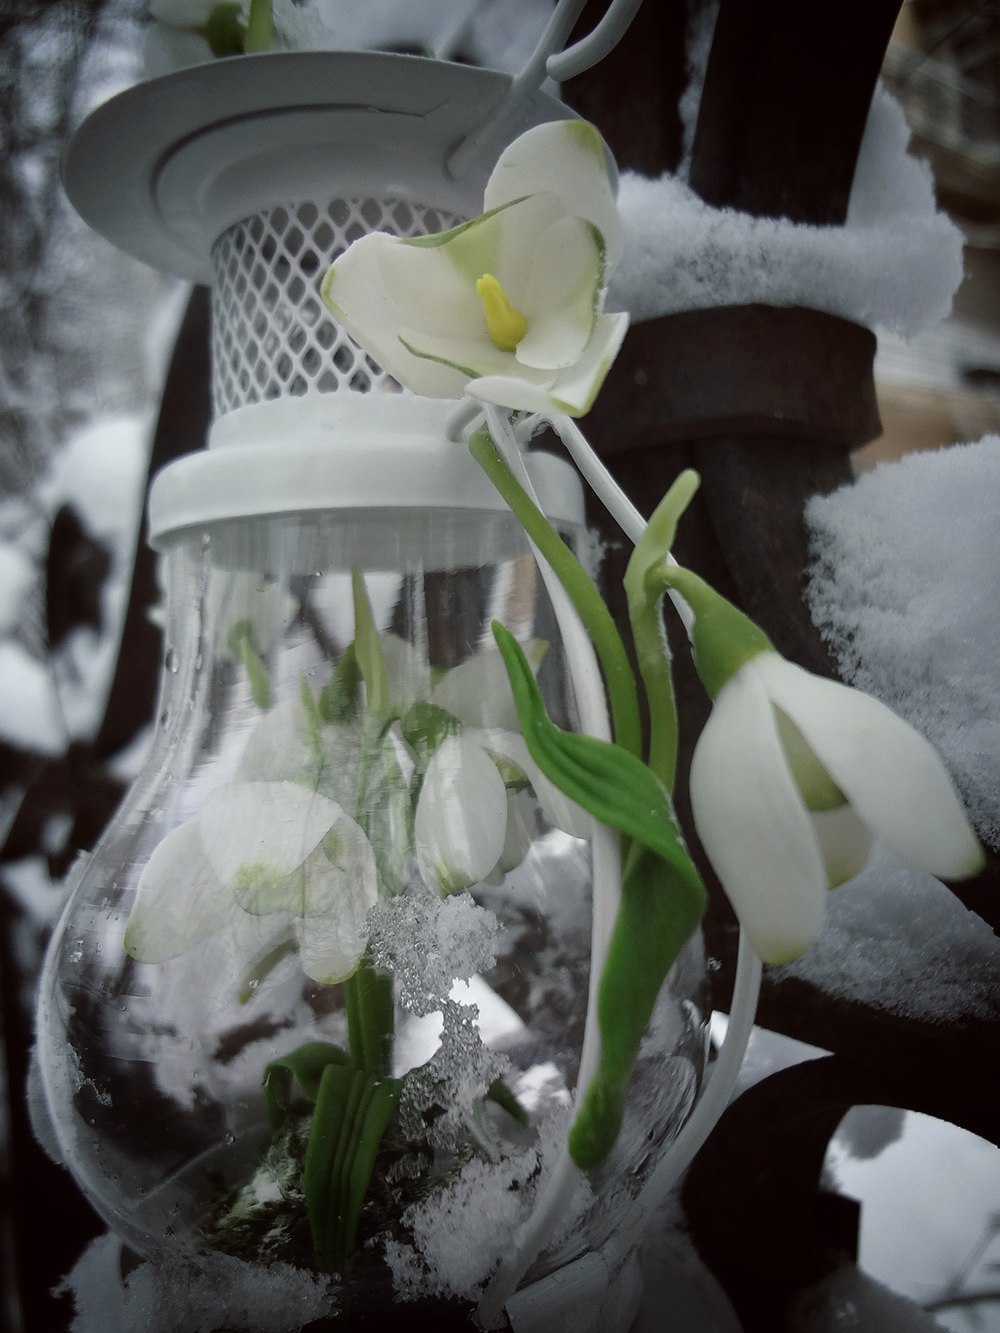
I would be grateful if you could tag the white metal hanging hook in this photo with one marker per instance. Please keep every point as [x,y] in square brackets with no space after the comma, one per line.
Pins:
[547,60]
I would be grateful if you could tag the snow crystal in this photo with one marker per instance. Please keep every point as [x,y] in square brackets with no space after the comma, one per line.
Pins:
[897,939]
[904,586]
[895,264]
[216,1292]
[427,942]
[461,1231]
[456,1078]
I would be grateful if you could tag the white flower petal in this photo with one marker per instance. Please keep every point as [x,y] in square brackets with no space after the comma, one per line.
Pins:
[474,357]
[567,274]
[355,295]
[572,391]
[179,900]
[559,810]
[339,887]
[461,818]
[753,824]
[522,828]
[263,828]
[844,843]
[567,158]
[429,291]
[892,776]
[478,692]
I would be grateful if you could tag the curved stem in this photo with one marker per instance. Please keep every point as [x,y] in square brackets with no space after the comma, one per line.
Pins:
[570,573]
[718,1090]
[556,1195]
[611,495]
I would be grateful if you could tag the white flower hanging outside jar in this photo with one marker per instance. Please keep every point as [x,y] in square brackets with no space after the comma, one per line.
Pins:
[397,931]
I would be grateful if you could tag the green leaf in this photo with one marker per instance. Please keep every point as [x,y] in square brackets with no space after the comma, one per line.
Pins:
[368,646]
[424,726]
[661,907]
[499,1092]
[224,30]
[313,716]
[663,898]
[340,698]
[305,1066]
[353,1109]
[242,646]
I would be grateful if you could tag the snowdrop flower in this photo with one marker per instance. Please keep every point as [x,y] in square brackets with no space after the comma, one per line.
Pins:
[793,777]
[271,863]
[507,307]
[472,820]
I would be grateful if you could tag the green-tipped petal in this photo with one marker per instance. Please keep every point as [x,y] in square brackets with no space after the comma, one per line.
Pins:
[753,825]
[892,776]
[572,390]
[567,158]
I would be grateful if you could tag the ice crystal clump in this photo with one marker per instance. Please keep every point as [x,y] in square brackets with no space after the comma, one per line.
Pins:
[461,1231]
[439,1099]
[428,942]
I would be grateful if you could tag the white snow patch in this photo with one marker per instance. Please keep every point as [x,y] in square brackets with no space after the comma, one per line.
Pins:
[895,264]
[904,587]
[898,940]
[216,1292]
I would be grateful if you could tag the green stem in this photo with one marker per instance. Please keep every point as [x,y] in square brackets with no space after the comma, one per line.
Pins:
[260,27]
[579,588]
[644,608]
[369,1003]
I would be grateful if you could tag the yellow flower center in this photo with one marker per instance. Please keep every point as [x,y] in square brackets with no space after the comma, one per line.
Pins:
[505,325]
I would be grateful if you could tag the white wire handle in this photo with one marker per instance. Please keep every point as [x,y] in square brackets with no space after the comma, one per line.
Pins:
[547,60]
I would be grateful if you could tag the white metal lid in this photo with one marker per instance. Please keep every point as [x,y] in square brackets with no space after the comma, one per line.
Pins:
[165,167]
[339,452]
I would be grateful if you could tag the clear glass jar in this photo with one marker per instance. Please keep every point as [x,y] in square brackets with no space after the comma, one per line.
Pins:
[340,895]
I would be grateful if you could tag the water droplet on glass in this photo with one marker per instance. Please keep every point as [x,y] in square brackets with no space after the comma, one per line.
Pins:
[171,660]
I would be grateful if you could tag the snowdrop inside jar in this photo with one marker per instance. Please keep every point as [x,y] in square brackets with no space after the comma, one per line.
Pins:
[322,989]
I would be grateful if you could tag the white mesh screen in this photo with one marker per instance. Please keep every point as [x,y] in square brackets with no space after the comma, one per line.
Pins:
[272,337]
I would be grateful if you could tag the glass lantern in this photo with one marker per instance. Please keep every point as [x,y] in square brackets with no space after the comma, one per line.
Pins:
[320,996]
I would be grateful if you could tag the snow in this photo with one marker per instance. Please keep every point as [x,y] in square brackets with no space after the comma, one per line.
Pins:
[217,1292]
[898,940]
[903,585]
[100,471]
[427,942]
[895,264]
